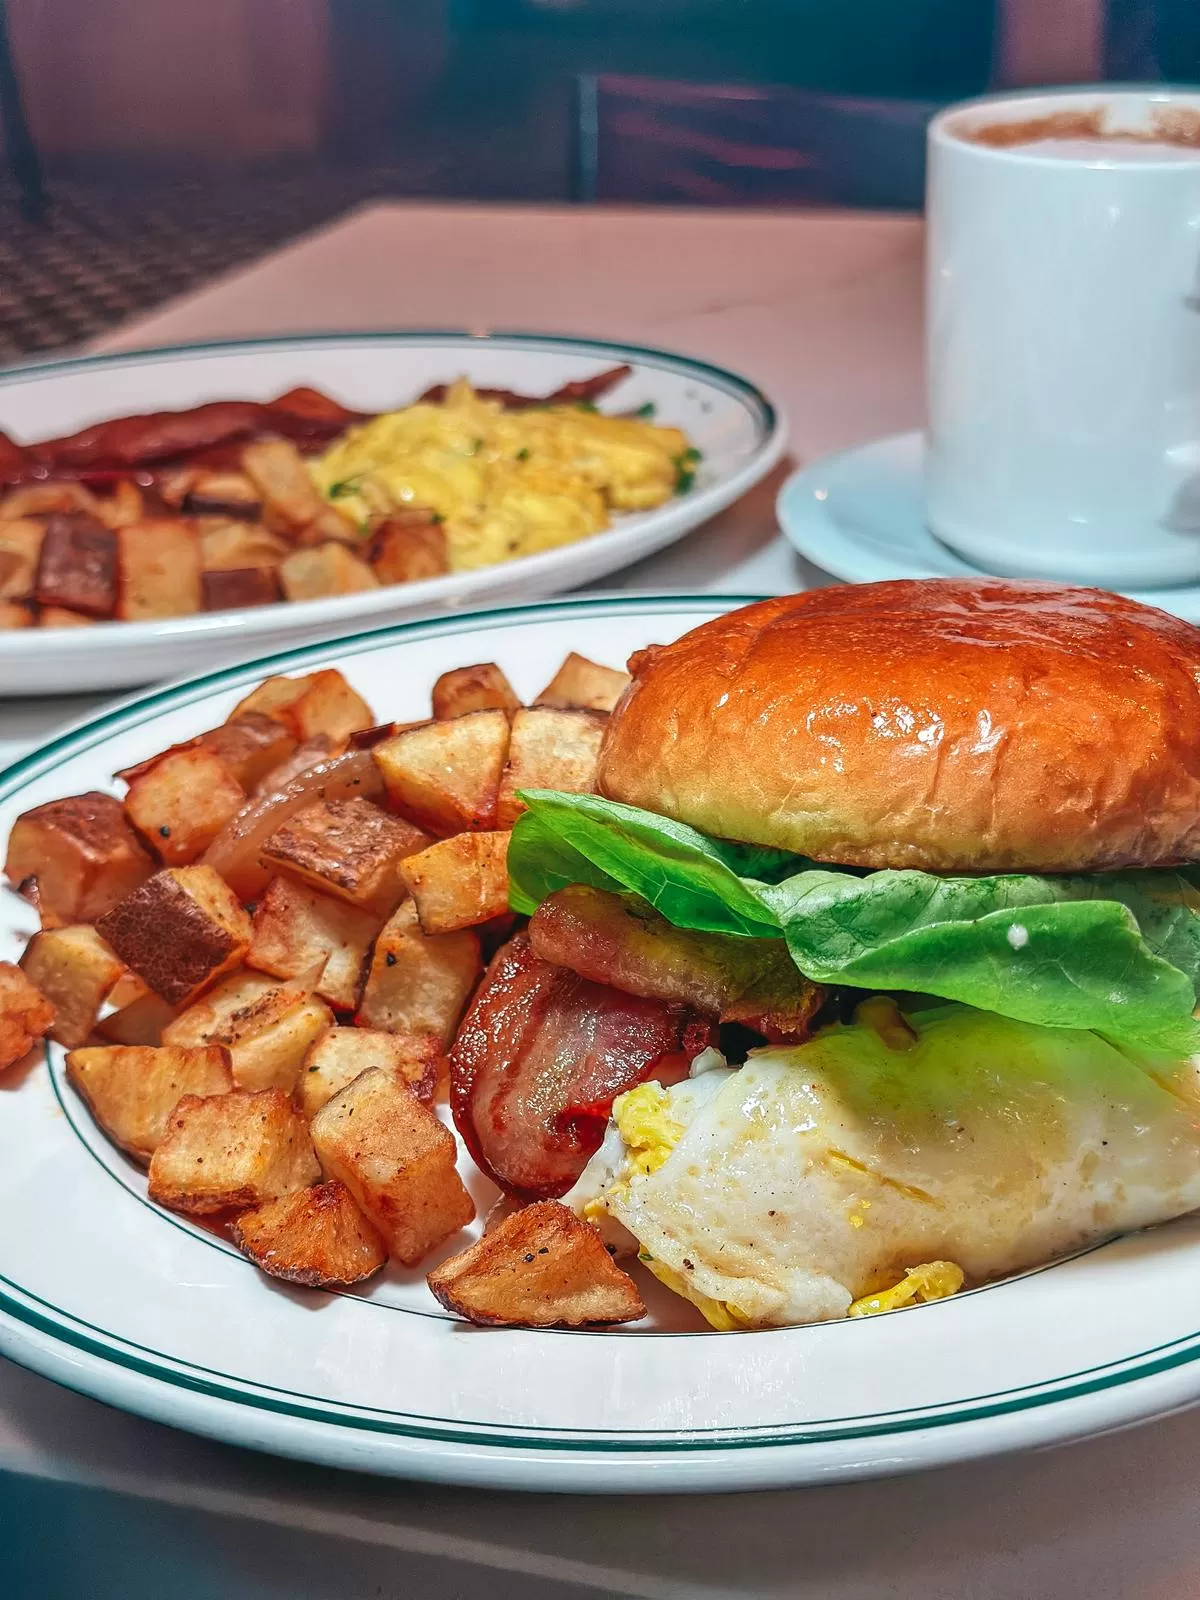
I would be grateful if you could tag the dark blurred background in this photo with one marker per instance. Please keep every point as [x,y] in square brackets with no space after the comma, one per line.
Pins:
[151,143]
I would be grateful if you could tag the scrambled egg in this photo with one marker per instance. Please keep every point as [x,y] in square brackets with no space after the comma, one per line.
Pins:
[505,483]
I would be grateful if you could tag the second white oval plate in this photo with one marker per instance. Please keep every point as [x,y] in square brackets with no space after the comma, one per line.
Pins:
[106,1293]
[739,432]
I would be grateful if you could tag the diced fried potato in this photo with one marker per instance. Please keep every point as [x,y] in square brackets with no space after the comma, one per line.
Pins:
[82,852]
[158,570]
[179,931]
[290,501]
[419,983]
[479,688]
[398,1162]
[550,749]
[459,882]
[231,546]
[139,1021]
[348,848]
[25,1015]
[303,757]
[132,1090]
[64,495]
[20,547]
[223,494]
[250,746]
[235,588]
[583,685]
[15,615]
[268,1028]
[446,775]
[125,505]
[60,617]
[325,569]
[181,804]
[343,1054]
[323,703]
[232,1150]
[541,1267]
[75,970]
[77,566]
[316,1237]
[128,988]
[298,930]
[407,550]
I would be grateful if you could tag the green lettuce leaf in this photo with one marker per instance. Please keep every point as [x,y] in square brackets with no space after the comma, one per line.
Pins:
[1115,953]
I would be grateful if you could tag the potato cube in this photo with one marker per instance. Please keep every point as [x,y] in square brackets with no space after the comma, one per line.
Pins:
[179,931]
[349,848]
[250,746]
[46,499]
[138,1021]
[323,703]
[25,1015]
[343,1054]
[13,614]
[405,550]
[290,501]
[132,1090]
[550,749]
[124,506]
[419,983]
[317,1237]
[446,775]
[233,546]
[297,931]
[20,547]
[541,1267]
[181,804]
[82,852]
[459,882]
[223,494]
[234,588]
[60,617]
[75,970]
[306,755]
[77,566]
[158,570]
[232,1150]
[325,569]
[480,688]
[398,1162]
[583,685]
[267,1027]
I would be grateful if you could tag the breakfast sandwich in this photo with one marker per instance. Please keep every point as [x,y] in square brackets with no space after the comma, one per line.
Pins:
[870,968]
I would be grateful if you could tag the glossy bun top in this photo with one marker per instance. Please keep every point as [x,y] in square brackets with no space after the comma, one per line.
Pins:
[986,726]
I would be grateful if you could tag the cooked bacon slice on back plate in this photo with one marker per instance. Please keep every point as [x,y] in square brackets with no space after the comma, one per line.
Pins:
[539,1059]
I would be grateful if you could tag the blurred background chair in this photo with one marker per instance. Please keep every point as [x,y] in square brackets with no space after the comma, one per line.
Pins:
[661,142]
[20,151]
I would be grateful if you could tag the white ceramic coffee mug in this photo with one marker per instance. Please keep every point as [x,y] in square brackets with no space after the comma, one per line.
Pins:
[1063,354]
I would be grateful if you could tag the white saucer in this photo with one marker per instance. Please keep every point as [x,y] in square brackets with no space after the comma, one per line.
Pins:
[860,514]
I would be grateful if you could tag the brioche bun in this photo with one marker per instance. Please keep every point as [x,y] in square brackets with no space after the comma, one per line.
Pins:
[952,726]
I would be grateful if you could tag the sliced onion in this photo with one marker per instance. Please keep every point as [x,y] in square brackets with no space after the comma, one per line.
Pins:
[236,851]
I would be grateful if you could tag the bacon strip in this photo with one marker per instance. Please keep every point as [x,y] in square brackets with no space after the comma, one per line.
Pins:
[582,390]
[620,940]
[539,1059]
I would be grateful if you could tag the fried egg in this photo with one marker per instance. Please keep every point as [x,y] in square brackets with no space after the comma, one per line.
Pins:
[870,1169]
[505,483]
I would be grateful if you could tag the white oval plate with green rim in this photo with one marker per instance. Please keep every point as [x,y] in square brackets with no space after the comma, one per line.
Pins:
[740,433]
[103,1292]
